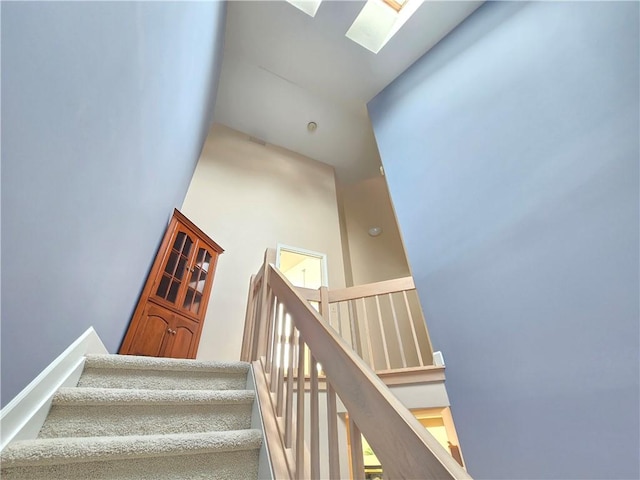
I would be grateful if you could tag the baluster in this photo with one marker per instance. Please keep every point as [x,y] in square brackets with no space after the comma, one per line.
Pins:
[277,346]
[339,320]
[357,460]
[284,339]
[365,323]
[289,405]
[413,328]
[352,325]
[272,325]
[395,322]
[382,334]
[300,453]
[332,428]
[315,423]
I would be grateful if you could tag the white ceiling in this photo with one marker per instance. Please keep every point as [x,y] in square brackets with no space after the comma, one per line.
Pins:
[283,69]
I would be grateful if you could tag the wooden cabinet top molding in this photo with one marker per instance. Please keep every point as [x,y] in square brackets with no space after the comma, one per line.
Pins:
[177,214]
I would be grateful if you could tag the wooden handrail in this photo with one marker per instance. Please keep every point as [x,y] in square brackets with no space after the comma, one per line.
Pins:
[360,291]
[372,289]
[288,341]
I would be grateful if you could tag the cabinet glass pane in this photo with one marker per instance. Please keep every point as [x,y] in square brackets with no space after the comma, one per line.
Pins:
[196,303]
[181,266]
[179,242]
[175,268]
[207,261]
[171,264]
[187,246]
[197,281]
[201,281]
[164,286]
[173,291]
[188,299]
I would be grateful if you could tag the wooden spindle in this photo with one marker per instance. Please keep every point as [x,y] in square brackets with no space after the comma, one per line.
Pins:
[277,333]
[314,431]
[300,450]
[288,417]
[357,459]
[395,322]
[340,321]
[365,324]
[282,362]
[272,317]
[413,328]
[355,344]
[382,334]
[332,429]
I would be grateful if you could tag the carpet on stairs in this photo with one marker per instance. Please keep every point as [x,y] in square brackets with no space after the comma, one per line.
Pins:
[144,418]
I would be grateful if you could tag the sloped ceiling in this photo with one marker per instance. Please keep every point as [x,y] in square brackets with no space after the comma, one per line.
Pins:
[283,69]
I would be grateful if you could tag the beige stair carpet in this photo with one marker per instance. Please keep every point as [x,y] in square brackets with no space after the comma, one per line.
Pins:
[177,419]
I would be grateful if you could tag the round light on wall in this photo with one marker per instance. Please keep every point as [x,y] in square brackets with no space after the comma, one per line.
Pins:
[375,231]
[312,126]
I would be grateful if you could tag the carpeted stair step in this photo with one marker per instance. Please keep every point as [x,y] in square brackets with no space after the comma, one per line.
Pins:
[231,455]
[129,371]
[84,412]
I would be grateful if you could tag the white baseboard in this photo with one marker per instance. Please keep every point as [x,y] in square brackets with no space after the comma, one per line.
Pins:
[23,417]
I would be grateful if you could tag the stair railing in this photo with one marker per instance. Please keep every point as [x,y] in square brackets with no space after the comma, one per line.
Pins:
[382,321]
[284,337]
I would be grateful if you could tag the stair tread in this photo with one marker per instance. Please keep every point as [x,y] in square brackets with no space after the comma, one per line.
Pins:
[54,451]
[124,396]
[132,362]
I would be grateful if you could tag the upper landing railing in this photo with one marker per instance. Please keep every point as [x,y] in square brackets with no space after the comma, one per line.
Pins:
[286,339]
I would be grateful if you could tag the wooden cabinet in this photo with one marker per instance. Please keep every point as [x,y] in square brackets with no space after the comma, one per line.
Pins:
[168,319]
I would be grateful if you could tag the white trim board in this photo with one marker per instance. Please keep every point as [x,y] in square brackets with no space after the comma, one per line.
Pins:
[23,417]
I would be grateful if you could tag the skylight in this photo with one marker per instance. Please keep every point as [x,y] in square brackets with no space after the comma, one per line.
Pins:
[379,21]
[310,7]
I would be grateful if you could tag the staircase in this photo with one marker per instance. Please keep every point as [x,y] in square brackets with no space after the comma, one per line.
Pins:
[144,418]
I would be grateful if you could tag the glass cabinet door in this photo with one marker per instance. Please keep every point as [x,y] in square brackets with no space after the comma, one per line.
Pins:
[174,273]
[199,275]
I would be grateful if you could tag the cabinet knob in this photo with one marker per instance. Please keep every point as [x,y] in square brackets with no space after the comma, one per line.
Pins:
[171,332]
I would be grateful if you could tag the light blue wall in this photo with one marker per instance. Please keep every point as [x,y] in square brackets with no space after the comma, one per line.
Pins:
[511,152]
[105,107]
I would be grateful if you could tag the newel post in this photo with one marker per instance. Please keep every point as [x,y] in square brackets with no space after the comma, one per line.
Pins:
[262,338]
[249,324]
[324,303]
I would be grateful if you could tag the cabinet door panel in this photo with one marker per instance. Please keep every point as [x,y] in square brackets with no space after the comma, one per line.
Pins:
[152,333]
[183,341]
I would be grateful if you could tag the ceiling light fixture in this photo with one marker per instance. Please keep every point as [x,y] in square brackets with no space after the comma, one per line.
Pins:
[310,7]
[375,231]
[312,126]
[379,20]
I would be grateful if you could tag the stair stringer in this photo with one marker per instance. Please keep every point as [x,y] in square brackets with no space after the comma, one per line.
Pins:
[265,470]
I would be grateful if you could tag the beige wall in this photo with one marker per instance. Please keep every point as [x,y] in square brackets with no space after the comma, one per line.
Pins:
[366,204]
[250,197]
[373,259]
